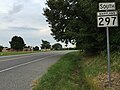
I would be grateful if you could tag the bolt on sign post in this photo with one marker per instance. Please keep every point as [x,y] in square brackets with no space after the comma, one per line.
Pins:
[107,18]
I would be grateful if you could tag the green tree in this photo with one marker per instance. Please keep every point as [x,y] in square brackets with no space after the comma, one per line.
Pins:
[36,48]
[45,45]
[75,21]
[17,43]
[57,46]
[1,48]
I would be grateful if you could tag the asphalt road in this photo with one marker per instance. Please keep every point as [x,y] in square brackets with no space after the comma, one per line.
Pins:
[18,71]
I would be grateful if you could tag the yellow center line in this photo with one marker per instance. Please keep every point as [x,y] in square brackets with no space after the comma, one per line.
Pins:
[13,58]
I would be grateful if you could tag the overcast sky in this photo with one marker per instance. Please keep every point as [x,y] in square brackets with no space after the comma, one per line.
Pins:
[23,18]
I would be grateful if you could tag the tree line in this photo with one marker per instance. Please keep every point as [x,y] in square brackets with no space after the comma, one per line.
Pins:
[17,43]
[75,21]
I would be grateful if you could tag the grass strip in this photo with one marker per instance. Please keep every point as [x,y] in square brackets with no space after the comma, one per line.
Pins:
[15,53]
[64,75]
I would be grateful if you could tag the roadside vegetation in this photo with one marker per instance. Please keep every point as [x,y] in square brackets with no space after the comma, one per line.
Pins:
[16,53]
[77,71]
[64,75]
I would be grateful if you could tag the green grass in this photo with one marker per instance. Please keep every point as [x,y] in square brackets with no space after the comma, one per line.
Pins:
[95,65]
[76,71]
[64,75]
[15,53]
[92,66]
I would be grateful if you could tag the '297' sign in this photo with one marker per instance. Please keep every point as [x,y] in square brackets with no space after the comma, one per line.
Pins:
[107,19]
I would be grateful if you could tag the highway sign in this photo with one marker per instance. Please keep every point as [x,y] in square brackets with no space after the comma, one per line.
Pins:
[107,6]
[107,19]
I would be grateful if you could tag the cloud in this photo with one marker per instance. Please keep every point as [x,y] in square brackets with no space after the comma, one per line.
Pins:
[16,9]
[23,28]
[18,6]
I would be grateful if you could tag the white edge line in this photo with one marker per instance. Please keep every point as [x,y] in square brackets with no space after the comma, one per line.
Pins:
[7,69]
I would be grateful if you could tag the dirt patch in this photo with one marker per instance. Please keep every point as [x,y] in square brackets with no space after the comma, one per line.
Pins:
[103,83]
[34,83]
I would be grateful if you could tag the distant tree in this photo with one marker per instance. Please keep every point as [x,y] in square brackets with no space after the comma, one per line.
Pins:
[1,48]
[36,48]
[57,46]
[17,43]
[45,45]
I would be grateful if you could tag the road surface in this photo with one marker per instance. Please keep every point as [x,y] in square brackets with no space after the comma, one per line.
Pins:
[18,71]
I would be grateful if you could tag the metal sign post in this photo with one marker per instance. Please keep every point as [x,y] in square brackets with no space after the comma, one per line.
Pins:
[107,19]
[108,53]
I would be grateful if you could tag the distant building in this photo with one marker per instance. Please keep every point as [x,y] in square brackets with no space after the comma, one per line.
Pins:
[6,49]
[28,49]
[45,49]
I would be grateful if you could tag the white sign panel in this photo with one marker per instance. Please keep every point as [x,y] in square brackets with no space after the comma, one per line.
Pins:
[107,19]
[110,13]
[107,6]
